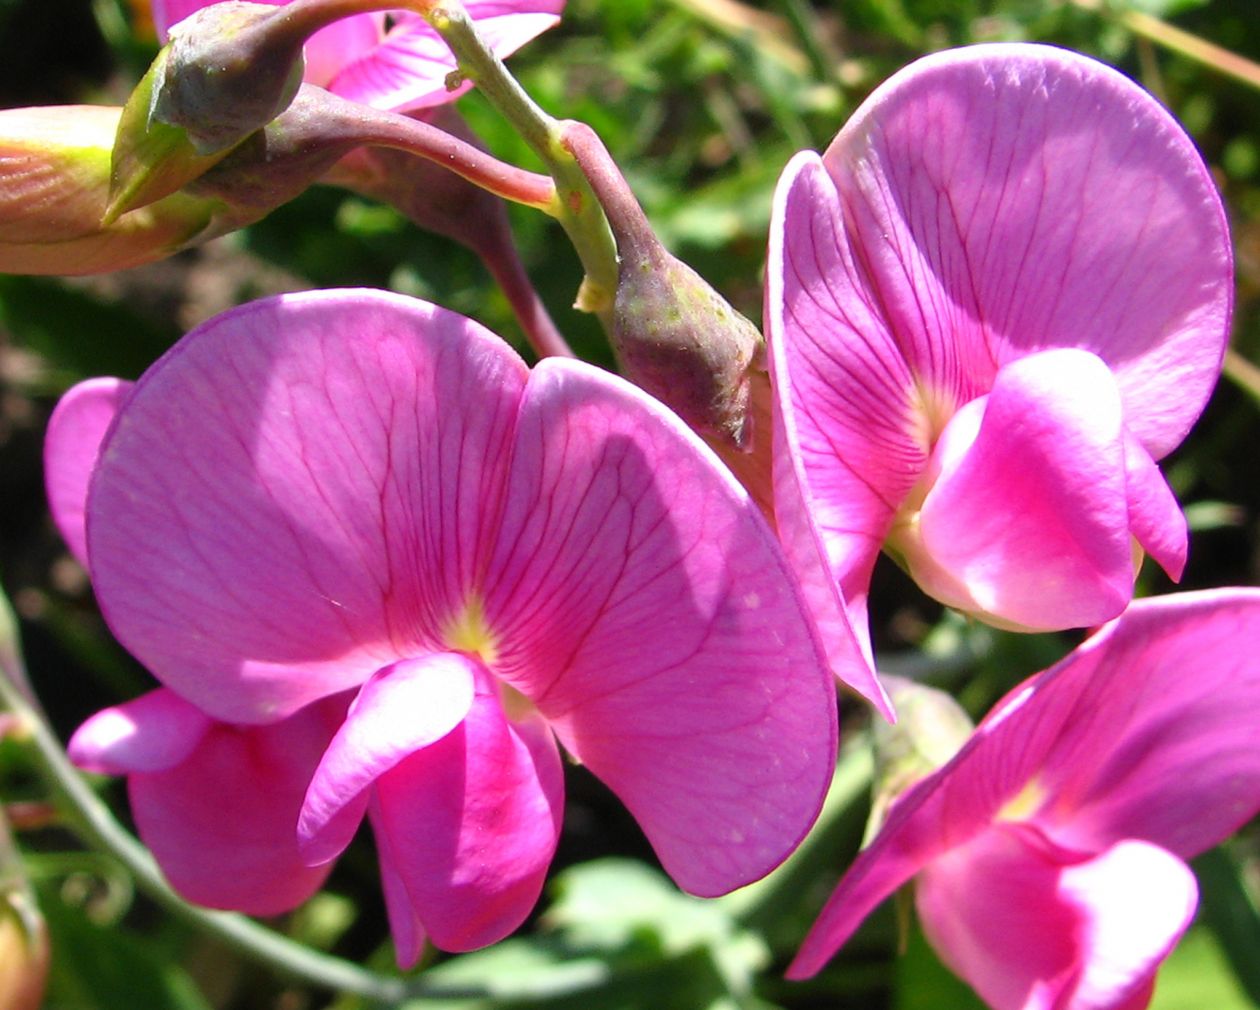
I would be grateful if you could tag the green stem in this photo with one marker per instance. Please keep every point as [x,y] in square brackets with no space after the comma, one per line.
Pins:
[93,822]
[579,212]
[1178,41]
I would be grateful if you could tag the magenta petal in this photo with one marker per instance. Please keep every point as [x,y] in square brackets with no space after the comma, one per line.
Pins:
[408,69]
[1032,519]
[1031,927]
[1144,732]
[1135,901]
[153,733]
[403,708]
[1159,742]
[223,823]
[330,49]
[1157,522]
[642,603]
[1011,198]
[468,826]
[71,447]
[843,629]
[404,920]
[852,445]
[299,493]
[992,911]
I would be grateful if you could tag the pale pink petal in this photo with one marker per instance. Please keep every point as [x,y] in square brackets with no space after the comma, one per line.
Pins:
[1156,519]
[1011,198]
[403,708]
[852,445]
[71,447]
[223,823]
[641,602]
[1031,518]
[299,493]
[1033,927]
[1161,742]
[469,826]
[408,69]
[152,733]
[1145,732]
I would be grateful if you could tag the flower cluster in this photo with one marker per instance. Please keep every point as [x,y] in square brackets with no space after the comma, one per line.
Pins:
[384,570]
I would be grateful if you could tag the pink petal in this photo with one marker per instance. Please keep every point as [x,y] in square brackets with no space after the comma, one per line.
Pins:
[845,398]
[468,827]
[330,49]
[325,52]
[1010,198]
[1136,900]
[298,494]
[992,911]
[1032,927]
[641,602]
[404,920]
[153,733]
[843,630]
[1160,742]
[403,708]
[1030,520]
[1144,733]
[71,447]
[223,823]
[409,68]
[1156,519]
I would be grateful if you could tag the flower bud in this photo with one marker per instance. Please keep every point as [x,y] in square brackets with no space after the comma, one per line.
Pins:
[930,728]
[682,341]
[54,188]
[23,958]
[231,69]
[673,334]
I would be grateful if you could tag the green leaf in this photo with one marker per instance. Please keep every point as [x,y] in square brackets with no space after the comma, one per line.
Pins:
[101,967]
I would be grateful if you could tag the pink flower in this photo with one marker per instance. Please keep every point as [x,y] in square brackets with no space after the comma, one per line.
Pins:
[341,491]
[1049,852]
[404,66]
[1000,295]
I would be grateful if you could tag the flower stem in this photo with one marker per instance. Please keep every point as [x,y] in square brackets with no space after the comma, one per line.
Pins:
[372,127]
[1170,37]
[579,212]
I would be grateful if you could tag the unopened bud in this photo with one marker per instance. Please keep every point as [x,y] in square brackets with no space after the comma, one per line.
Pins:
[673,334]
[54,188]
[930,728]
[23,957]
[227,71]
[682,341]
[231,69]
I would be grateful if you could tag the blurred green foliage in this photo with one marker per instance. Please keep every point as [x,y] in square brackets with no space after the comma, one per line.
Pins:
[702,102]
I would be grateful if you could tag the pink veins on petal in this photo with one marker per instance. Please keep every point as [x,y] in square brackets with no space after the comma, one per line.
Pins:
[354,491]
[997,298]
